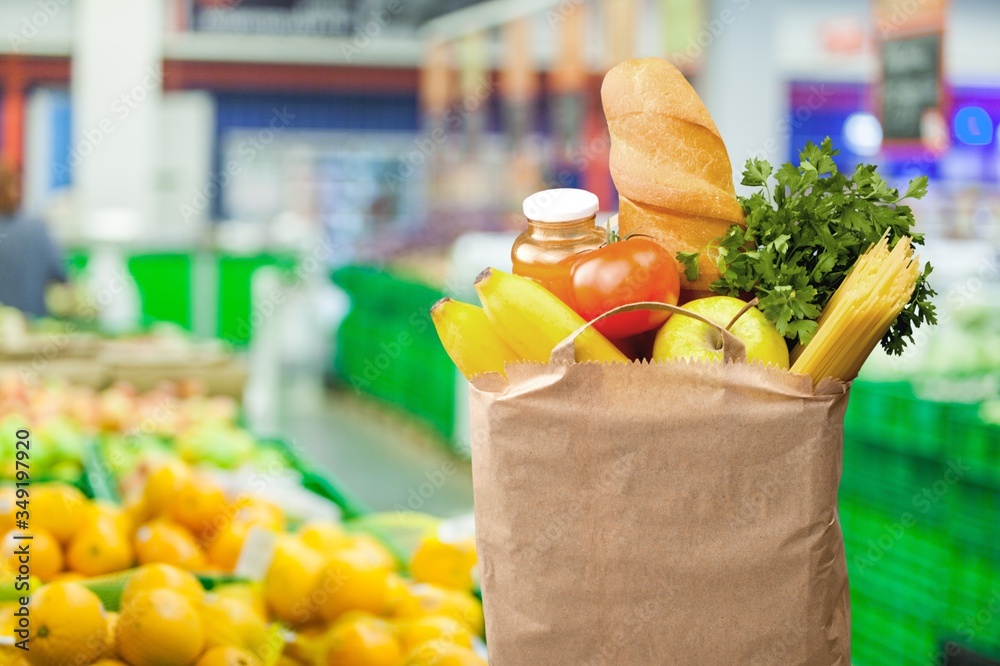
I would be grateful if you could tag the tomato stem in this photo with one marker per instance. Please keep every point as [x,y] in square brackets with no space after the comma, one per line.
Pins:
[612,234]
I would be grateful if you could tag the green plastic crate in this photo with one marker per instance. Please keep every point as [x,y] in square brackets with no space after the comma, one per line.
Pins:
[897,584]
[235,305]
[893,481]
[164,284]
[386,347]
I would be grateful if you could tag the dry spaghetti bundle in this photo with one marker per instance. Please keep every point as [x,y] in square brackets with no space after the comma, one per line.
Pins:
[860,312]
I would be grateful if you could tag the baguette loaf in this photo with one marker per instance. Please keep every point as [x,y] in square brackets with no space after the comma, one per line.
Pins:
[668,161]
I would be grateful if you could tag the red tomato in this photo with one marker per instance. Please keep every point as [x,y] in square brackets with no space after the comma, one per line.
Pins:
[629,271]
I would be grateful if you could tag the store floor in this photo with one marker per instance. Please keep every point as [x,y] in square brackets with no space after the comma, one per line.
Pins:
[381,456]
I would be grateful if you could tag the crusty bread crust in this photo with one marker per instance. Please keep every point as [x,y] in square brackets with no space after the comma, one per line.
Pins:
[668,161]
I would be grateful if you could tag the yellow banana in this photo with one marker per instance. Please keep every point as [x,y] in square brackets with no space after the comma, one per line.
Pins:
[532,320]
[469,338]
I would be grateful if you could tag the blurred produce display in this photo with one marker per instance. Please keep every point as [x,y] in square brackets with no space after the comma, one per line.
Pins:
[210,547]
[67,420]
[55,348]
[327,596]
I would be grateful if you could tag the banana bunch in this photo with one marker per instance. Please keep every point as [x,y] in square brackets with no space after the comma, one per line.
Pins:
[520,321]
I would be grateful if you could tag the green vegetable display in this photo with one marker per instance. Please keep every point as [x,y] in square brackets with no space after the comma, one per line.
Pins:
[803,237]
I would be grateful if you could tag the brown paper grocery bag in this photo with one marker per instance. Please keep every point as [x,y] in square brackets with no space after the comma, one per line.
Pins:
[664,513]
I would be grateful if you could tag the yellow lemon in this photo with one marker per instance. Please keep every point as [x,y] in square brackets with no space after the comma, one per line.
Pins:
[44,556]
[324,537]
[230,622]
[101,511]
[443,654]
[163,576]
[354,583]
[100,548]
[370,550]
[58,509]
[444,563]
[200,505]
[292,586]
[305,645]
[362,640]
[165,481]
[224,550]
[227,655]
[67,624]
[422,600]
[160,628]
[438,628]
[8,508]
[160,541]
[112,619]
[249,594]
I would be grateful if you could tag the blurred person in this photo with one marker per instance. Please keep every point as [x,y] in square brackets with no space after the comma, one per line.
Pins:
[30,260]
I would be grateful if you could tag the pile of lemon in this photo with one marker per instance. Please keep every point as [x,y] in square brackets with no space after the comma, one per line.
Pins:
[165,618]
[329,597]
[71,536]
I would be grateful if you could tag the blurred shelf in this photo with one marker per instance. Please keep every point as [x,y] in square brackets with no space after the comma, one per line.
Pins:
[38,46]
[382,50]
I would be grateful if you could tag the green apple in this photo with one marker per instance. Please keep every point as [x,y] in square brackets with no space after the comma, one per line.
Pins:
[686,337]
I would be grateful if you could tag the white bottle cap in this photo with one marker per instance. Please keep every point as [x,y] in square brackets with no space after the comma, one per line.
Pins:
[560,205]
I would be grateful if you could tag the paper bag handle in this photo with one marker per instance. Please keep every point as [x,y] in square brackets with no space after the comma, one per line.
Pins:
[733,349]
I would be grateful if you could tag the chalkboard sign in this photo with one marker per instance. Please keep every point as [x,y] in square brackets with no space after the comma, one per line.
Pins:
[911,83]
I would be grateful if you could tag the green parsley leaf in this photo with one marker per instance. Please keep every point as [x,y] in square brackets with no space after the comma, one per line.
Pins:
[756,172]
[804,233]
[917,188]
[689,260]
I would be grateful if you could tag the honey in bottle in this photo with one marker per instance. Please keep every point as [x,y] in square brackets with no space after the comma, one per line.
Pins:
[561,224]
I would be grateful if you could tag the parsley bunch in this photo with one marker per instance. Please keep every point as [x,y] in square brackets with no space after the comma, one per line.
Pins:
[802,239]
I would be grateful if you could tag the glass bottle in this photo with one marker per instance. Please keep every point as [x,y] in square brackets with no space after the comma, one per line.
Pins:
[561,224]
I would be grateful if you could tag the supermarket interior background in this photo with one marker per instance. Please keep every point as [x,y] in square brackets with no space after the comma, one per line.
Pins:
[265,197]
